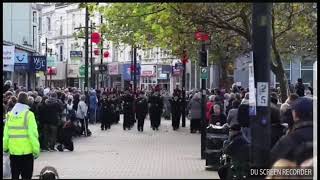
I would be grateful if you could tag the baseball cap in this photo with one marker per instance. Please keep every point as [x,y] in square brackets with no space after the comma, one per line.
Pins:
[302,105]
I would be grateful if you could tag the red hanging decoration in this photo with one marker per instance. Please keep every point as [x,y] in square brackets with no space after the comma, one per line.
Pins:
[96,52]
[95,38]
[106,54]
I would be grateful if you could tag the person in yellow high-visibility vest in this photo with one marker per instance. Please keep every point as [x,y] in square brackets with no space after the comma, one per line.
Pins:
[20,139]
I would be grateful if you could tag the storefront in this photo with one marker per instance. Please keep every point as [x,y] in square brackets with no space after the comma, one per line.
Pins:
[175,80]
[126,75]
[73,75]
[148,77]
[114,76]
[17,66]
[163,76]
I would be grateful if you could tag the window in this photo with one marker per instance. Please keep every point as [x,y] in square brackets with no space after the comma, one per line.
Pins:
[73,21]
[61,26]
[287,71]
[61,53]
[307,71]
[48,24]
[34,37]
[40,24]
[34,16]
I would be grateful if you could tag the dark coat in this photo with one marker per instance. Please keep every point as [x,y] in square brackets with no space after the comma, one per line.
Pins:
[299,89]
[218,118]
[277,131]
[141,108]
[156,104]
[238,148]
[288,146]
[53,109]
[176,105]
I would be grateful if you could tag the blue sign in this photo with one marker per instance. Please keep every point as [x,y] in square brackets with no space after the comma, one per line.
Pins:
[21,62]
[39,63]
[166,69]
[21,58]
[75,53]
[126,72]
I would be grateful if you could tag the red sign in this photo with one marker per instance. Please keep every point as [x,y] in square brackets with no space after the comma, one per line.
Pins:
[95,38]
[201,36]
[52,70]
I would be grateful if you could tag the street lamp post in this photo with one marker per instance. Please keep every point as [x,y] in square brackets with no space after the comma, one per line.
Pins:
[203,96]
[260,124]
[101,54]
[86,51]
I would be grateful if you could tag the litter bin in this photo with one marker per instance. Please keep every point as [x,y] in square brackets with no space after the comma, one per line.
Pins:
[215,137]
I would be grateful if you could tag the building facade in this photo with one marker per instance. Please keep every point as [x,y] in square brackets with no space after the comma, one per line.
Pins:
[20,31]
[294,67]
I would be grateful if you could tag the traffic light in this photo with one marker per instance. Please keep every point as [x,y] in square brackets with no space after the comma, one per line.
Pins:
[203,58]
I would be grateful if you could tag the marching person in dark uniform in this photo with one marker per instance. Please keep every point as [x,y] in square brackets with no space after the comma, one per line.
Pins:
[127,110]
[176,104]
[155,109]
[112,108]
[105,107]
[141,110]
[117,106]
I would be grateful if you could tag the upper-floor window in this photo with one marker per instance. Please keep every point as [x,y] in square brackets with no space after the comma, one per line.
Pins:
[73,21]
[48,24]
[40,24]
[34,16]
[61,27]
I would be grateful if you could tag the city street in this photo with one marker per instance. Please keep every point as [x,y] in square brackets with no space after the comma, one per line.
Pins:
[130,154]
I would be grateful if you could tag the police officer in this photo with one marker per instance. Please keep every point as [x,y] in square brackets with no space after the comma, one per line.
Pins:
[155,109]
[141,110]
[20,139]
[127,110]
[176,105]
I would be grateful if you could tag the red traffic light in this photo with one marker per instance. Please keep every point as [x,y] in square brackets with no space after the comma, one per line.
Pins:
[95,38]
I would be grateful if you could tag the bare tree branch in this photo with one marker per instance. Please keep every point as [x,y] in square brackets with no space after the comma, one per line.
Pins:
[146,14]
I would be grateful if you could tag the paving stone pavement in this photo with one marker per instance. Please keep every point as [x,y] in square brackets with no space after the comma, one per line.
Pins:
[131,154]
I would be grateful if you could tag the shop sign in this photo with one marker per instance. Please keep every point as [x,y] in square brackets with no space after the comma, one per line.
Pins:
[8,55]
[38,63]
[113,69]
[75,55]
[21,62]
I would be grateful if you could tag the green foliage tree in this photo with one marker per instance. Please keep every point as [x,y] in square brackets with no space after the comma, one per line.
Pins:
[172,26]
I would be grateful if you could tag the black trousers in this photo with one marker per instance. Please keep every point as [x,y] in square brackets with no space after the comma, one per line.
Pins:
[195,124]
[155,118]
[176,119]
[21,165]
[140,123]
[49,136]
[84,125]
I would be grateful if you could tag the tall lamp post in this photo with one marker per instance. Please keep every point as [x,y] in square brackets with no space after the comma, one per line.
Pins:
[184,62]
[201,36]
[260,124]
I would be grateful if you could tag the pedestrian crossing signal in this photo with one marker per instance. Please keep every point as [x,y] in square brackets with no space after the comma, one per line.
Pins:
[203,59]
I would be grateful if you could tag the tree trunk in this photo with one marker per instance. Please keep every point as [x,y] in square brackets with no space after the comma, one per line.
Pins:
[280,75]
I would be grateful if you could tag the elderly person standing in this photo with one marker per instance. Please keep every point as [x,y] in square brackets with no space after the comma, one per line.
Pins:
[82,113]
[195,112]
